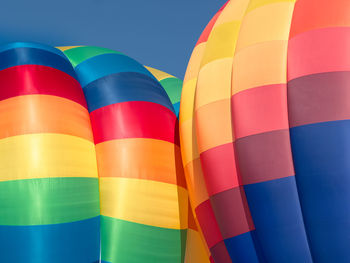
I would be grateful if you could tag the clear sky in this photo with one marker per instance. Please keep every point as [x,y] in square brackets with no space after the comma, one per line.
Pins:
[158,33]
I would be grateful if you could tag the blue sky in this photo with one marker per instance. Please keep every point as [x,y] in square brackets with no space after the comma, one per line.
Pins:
[158,33]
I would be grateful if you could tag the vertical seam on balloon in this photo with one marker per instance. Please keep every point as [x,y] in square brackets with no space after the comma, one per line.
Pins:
[256,240]
[290,141]
[194,128]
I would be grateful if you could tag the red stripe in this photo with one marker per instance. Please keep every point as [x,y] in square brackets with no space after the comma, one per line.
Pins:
[219,168]
[37,79]
[208,224]
[134,119]
[318,51]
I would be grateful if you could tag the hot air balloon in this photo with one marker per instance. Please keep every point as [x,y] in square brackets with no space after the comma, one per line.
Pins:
[145,215]
[264,132]
[91,160]
[49,195]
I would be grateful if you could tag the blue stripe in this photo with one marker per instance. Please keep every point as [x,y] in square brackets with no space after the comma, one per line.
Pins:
[279,227]
[34,56]
[177,108]
[123,87]
[321,154]
[31,45]
[103,65]
[244,248]
[77,242]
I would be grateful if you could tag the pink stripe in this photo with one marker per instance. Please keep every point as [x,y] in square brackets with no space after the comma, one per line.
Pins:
[260,110]
[317,51]
[219,168]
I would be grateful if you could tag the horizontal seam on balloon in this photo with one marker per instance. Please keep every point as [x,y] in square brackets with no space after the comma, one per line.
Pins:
[54,177]
[54,224]
[173,112]
[47,133]
[319,29]
[256,134]
[315,74]
[262,86]
[157,227]
[140,179]
[258,44]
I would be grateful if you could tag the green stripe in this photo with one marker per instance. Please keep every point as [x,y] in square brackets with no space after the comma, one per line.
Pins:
[173,87]
[48,200]
[127,242]
[79,54]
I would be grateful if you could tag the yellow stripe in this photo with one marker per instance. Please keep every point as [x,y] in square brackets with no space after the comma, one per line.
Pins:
[222,42]
[213,87]
[158,74]
[46,155]
[64,48]
[144,201]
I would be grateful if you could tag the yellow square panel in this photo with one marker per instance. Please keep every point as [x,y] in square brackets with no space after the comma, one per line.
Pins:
[214,82]
[259,65]
[266,23]
[213,124]
[221,42]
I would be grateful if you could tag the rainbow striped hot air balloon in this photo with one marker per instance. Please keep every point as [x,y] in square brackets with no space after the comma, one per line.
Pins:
[264,124]
[145,215]
[49,195]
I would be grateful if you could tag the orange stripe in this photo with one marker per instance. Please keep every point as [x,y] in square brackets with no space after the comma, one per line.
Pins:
[43,114]
[141,158]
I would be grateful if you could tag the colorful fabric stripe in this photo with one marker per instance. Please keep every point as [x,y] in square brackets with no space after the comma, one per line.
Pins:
[39,79]
[215,138]
[106,64]
[49,185]
[203,212]
[144,209]
[56,243]
[101,92]
[17,56]
[196,250]
[318,68]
